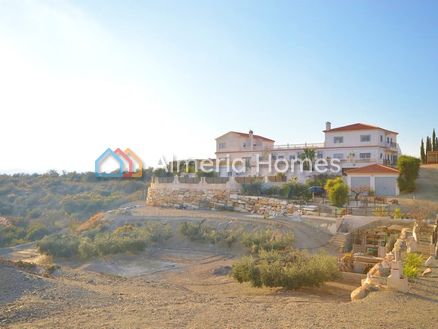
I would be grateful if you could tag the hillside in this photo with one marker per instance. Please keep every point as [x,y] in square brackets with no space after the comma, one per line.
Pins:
[32,206]
[427,185]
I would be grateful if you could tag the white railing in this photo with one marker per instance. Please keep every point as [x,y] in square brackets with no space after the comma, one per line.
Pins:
[299,146]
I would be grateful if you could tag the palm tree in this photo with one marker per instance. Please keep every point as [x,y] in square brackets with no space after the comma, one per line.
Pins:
[308,155]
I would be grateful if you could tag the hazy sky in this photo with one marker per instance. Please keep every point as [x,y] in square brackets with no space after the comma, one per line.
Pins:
[167,77]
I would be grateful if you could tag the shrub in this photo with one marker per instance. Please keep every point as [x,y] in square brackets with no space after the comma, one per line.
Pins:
[254,189]
[36,232]
[409,168]
[266,240]
[337,191]
[201,233]
[397,214]
[290,269]
[59,245]
[412,265]
[294,190]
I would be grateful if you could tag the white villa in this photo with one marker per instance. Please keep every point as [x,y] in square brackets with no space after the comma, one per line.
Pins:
[355,146]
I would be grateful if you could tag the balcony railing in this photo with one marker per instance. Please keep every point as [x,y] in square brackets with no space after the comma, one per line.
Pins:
[299,146]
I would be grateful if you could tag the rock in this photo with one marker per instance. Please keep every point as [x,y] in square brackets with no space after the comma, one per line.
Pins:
[427,272]
[431,262]
[359,293]
[223,270]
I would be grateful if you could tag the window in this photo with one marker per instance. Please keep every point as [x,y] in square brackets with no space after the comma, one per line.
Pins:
[247,161]
[274,157]
[319,155]
[222,145]
[338,155]
[381,155]
[338,139]
[381,138]
[292,157]
[365,155]
[280,157]
[365,138]
[244,145]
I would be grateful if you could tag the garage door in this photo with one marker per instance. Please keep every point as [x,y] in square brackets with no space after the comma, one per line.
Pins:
[359,182]
[386,186]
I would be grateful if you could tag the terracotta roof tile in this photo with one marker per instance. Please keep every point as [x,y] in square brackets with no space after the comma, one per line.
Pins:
[358,126]
[373,169]
[247,135]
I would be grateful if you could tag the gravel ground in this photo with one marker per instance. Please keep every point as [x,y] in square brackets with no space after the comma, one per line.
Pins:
[195,296]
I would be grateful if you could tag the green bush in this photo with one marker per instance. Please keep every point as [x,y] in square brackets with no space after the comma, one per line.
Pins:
[59,245]
[254,189]
[294,190]
[202,233]
[266,240]
[337,191]
[409,168]
[289,269]
[127,238]
[412,265]
[36,232]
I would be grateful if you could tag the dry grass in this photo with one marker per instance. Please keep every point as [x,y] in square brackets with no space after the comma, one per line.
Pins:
[91,223]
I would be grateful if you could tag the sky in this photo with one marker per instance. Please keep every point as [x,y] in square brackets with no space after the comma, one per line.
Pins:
[167,77]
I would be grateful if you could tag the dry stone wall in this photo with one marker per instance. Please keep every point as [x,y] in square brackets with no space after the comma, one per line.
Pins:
[194,196]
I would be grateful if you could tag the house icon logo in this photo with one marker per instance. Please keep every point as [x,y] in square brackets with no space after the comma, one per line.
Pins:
[126,161]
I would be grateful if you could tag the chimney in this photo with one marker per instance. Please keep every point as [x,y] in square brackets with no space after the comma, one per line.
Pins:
[251,140]
[328,125]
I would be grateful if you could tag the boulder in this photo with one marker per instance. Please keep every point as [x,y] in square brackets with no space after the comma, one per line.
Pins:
[431,262]
[359,293]
[427,272]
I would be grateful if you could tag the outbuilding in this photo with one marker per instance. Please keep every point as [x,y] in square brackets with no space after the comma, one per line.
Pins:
[378,178]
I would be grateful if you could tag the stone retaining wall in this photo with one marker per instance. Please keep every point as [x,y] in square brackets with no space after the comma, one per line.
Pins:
[214,196]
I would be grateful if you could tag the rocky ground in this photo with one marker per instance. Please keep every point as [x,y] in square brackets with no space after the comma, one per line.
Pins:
[199,294]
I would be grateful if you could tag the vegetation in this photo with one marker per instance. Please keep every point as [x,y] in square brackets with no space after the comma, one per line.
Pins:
[409,168]
[290,269]
[202,233]
[294,190]
[101,242]
[308,157]
[42,204]
[412,265]
[431,145]
[266,240]
[337,191]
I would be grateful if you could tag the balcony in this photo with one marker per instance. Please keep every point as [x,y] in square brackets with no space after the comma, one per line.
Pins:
[298,146]
[391,145]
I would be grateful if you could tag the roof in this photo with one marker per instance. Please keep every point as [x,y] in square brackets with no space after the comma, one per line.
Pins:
[358,126]
[247,136]
[373,169]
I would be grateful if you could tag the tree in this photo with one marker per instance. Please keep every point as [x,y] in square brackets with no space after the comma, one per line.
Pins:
[360,190]
[434,141]
[337,191]
[428,144]
[423,152]
[409,168]
[308,157]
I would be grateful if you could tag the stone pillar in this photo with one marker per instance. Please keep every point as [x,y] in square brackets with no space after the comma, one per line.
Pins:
[396,280]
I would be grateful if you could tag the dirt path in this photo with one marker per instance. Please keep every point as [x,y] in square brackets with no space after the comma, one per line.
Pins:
[195,298]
